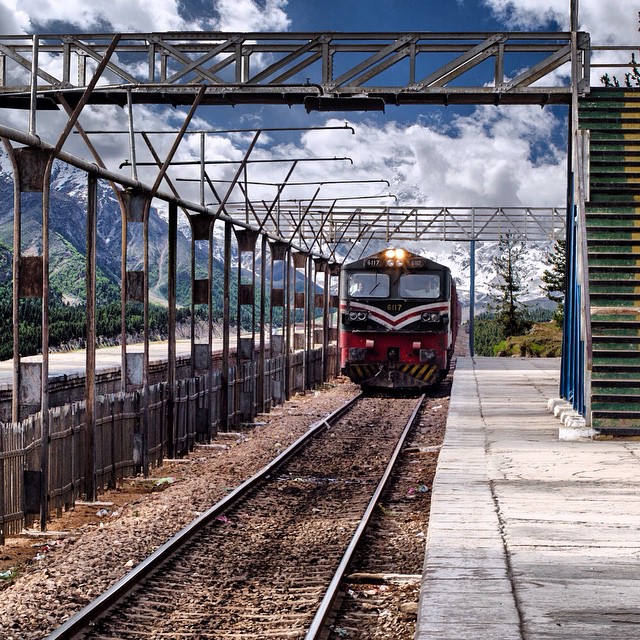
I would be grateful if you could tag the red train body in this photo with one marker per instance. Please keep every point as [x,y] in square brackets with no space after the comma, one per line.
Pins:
[399,318]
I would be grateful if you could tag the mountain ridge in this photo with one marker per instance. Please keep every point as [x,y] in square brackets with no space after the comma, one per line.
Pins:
[68,246]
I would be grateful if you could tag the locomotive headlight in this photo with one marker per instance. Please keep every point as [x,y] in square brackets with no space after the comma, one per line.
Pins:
[362,315]
[358,315]
[395,257]
[353,315]
[429,316]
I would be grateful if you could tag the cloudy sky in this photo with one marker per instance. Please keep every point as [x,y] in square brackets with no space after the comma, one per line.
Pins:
[431,155]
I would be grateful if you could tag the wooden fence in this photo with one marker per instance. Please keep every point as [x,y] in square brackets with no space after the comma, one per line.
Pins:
[125,442]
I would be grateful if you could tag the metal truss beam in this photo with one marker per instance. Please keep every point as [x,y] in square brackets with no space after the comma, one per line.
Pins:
[331,224]
[345,71]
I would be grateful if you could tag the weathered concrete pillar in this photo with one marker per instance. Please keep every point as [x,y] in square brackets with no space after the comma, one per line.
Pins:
[321,302]
[245,346]
[201,293]
[334,310]
[134,207]
[278,342]
[300,261]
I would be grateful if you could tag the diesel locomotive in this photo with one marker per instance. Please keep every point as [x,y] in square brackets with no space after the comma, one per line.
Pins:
[399,318]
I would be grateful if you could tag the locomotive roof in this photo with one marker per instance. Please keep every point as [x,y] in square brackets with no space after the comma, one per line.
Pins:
[363,262]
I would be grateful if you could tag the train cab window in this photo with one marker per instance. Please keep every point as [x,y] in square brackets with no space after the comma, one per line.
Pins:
[368,285]
[419,285]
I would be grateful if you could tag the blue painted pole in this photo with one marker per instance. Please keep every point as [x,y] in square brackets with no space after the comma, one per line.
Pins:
[472,295]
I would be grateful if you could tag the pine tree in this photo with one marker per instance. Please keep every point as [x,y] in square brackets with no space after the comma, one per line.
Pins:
[509,311]
[554,279]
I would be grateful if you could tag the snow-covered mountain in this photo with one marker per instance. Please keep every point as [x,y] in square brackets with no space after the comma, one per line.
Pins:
[69,194]
[457,257]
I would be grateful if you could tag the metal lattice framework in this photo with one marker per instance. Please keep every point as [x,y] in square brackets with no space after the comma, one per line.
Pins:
[371,69]
[312,226]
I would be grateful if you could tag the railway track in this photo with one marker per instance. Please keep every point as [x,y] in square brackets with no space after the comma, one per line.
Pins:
[268,560]
[380,592]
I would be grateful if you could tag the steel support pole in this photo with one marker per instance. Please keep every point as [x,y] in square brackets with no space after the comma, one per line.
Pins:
[210,431]
[293,316]
[171,328]
[226,334]
[44,389]
[192,349]
[33,101]
[123,295]
[254,377]
[271,341]
[262,345]
[90,371]
[3,511]
[17,250]
[309,313]
[326,322]
[286,321]
[145,357]
[472,295]
[338,273]
[238,358]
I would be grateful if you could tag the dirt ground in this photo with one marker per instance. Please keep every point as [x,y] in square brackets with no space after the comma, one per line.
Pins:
[44,578]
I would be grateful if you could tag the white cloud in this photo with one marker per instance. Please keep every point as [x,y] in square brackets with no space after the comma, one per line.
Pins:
[486,158]
[613,21]
[14,20]
[121,15]
[247,15]
[142,15]
[530,13]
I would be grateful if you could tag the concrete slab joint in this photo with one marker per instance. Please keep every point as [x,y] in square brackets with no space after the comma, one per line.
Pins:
[529,536]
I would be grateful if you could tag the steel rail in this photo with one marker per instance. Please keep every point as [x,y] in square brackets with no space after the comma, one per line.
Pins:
[83,618]
[318,624]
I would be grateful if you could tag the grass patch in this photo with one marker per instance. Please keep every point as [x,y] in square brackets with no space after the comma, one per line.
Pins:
[544,340]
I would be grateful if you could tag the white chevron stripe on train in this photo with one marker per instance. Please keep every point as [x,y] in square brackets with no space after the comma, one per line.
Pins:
[391,321]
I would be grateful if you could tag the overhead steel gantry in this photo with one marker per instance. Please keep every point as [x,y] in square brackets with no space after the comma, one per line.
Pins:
[322,72]
[316,226]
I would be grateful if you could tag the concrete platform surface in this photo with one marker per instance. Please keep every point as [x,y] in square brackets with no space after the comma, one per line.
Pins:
[530,537]
[68,363]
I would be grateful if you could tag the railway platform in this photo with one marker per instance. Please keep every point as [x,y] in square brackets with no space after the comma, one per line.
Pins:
[530,536]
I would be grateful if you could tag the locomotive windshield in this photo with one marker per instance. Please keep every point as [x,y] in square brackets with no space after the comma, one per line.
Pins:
[368,285]
[419,285]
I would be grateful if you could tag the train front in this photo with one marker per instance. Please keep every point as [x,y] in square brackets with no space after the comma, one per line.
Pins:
[395,310]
